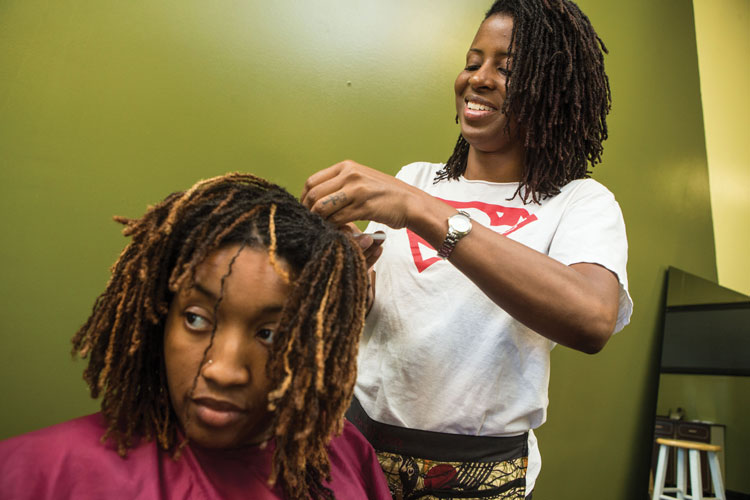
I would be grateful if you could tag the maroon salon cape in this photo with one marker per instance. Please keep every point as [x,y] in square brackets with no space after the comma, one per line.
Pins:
[68,461]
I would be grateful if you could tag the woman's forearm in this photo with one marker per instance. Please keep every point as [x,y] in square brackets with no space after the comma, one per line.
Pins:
[575,305]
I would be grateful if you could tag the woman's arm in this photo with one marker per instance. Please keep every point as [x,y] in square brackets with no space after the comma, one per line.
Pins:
[575,305]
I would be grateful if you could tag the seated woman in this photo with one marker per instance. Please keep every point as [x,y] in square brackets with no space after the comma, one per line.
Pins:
[224,348]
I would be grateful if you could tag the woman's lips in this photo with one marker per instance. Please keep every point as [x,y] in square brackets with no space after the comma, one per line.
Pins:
[215,413]
[475,109]
[471,114]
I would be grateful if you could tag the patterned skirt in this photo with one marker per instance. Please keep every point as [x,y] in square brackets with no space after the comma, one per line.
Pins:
[430,465]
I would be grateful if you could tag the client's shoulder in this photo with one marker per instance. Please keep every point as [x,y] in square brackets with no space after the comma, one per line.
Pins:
[68,460]
[74,433]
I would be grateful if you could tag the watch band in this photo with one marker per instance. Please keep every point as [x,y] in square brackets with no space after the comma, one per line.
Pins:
[459,225]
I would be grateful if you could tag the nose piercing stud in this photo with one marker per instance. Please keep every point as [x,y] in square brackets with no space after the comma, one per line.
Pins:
[210,361]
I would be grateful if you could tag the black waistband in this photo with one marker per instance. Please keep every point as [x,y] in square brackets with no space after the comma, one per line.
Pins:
[436,445]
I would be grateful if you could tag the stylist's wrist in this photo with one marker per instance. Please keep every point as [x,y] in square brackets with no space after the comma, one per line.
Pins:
[416,204]
[428,217]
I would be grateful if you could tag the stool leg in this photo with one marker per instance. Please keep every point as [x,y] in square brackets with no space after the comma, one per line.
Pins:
[713,464]
[681,488]
[661,469]
[695,475]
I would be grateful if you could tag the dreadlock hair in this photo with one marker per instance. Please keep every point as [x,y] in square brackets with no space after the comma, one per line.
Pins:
[312,363]
[558,93]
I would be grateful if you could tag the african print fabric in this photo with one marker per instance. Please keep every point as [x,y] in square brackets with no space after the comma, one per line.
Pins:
[412,478]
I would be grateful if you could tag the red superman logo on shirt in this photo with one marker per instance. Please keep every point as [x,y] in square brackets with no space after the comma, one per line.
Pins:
[503,220]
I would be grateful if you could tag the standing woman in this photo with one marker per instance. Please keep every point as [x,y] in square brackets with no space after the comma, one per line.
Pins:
[490,260]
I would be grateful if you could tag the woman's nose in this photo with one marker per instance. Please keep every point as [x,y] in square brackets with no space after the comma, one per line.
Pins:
[482,78]
[226,363]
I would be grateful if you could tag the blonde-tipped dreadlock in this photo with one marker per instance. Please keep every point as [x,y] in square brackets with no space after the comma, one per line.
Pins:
[312,364]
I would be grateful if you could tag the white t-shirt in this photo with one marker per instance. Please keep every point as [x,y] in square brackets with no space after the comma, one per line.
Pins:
[437,354]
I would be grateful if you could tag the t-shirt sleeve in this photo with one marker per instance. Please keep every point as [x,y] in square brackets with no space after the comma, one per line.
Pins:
[592,230]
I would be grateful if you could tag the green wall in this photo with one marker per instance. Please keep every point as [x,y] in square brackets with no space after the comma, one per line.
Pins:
[108,106]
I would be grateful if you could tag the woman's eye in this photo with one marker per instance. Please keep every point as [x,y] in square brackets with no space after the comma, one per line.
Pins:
[196,321]
[266,335]
[503,71]
[471,67]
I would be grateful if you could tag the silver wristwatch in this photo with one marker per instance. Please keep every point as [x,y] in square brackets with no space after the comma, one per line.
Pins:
[459,225]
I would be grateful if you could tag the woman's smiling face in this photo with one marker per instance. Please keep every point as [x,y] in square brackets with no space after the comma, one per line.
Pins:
[228,406]
[481,87]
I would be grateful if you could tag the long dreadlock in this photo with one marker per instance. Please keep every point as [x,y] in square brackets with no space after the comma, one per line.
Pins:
[312,363]
[558,93]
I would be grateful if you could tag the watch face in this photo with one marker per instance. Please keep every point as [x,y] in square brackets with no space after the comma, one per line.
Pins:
[460,223]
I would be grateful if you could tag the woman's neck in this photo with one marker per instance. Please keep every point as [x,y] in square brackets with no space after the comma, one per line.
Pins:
[505,165]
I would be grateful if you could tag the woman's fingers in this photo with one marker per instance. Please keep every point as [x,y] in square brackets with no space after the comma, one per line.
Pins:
[370,243]
[317,179]
[349,191]
[332,204]
[327,192]
[373,253]
[330,192]
[327,181]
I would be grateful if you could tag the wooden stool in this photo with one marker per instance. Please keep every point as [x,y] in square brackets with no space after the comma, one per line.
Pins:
[696,488]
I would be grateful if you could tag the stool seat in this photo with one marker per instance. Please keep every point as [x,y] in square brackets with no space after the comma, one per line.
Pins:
[696,488]
[690,445]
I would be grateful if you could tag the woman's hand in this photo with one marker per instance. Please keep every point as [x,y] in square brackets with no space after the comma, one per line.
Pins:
[371,248]
[348,191]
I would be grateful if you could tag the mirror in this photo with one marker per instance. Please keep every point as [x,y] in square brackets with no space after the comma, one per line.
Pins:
[704,381]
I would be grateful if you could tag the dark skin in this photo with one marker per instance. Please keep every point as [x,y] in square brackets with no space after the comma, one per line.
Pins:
[579,305]
[228,407]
